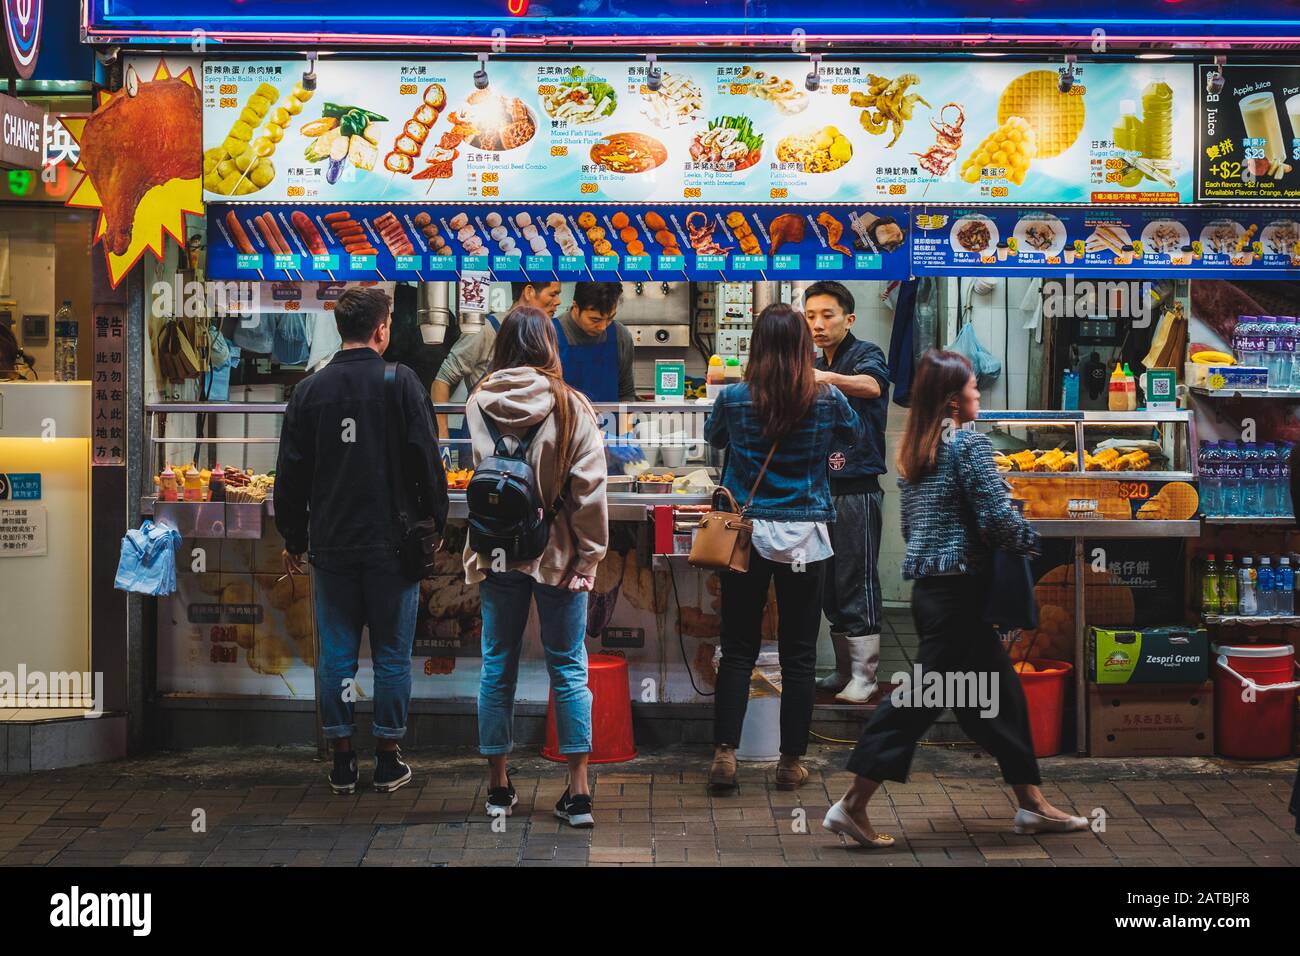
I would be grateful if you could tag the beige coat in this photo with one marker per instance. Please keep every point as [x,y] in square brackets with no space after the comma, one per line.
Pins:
[518,398]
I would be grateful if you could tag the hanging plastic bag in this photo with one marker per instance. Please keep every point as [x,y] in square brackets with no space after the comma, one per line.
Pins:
[985,364]
[254,333]
[291,346]
[147,564]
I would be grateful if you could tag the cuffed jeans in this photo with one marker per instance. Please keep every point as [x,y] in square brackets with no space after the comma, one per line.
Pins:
[946,610]
[562,615]
[351,594]
[798,604]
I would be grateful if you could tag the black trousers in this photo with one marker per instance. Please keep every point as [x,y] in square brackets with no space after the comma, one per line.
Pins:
[954,641]
[798,604]
[851,595]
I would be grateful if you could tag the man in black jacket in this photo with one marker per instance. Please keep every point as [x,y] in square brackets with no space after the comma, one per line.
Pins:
[333,502]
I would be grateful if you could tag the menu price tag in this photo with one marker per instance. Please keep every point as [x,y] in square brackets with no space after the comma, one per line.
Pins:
[573,263]
[506,263]
[442,263]
[248,260]
[362,263]
[539,263]
[711,262]
[407,263]
[785,262]
[672,263]
[868,261]
[637,263]
[748,263]
[829,261]
[604,263]
[287,261]
[327,262]
[474,263]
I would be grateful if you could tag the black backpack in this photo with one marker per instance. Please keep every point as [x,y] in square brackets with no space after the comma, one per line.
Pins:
[507,518]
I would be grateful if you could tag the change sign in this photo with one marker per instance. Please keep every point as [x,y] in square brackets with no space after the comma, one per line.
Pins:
[22,134]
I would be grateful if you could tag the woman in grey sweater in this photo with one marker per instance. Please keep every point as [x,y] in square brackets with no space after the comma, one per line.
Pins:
[956,511]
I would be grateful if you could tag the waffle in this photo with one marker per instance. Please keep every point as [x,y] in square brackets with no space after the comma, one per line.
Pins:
[1057,118]
[1176,501]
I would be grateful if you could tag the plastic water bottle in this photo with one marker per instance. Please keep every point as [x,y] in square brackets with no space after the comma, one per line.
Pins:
[1243,339]
[1229,469]
[1286,506]
[1246,605]
[1269,473]
[1284,588]
[1252,493]
[1287,342]
[65,344]
[1207,463]
[1264,588]
[1267,339]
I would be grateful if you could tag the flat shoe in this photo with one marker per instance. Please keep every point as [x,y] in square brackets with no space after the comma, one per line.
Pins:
[1027,821]
[837,820]
[791,778]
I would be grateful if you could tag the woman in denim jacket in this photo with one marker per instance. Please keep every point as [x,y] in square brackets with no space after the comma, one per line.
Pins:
[778,404]
[956,510]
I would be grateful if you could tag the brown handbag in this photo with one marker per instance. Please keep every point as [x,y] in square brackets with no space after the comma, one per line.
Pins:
[723,537]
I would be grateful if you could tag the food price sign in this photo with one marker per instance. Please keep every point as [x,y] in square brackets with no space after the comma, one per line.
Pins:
[1248,133]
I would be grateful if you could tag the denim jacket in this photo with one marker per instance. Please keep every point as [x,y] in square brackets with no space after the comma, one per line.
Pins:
[795,487]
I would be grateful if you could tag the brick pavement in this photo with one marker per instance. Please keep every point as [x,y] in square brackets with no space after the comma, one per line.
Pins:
[271,808]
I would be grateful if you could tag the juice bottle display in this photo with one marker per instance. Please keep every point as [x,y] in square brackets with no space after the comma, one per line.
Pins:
[1246,605]
[1228,585]
[1158,122]
[1128,131]
[1210,586]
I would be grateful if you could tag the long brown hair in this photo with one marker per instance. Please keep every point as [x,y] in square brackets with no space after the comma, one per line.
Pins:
[782,383]
[940,379]
[527,338]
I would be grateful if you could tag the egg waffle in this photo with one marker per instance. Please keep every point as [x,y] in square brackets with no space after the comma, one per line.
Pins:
[1057,118]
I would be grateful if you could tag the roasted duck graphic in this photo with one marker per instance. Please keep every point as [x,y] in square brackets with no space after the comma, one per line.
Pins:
[134,143]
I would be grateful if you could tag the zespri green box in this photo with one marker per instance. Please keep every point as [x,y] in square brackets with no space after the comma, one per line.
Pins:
[1154,655]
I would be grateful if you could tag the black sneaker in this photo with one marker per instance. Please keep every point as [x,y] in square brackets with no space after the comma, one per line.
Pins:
[343,778]
[501,800]
[390,773]
[575,810]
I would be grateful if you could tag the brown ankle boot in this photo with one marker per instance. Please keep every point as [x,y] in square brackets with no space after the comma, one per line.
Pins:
[722,774]
[790,776]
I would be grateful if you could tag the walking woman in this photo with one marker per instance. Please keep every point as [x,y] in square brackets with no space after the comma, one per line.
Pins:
[777,427]
[524,395]
[956,509]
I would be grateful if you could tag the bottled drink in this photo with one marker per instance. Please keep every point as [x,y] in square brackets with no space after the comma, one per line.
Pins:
[1208,462]
[1242,339]
[1246,605]
[1284,588]
[65,343]
[1287,332]
[1228,585]
[1270,472]
[1286,506]
[1264,588]
[1210,586]
[1252,498]
[1230,479]
[1268,341]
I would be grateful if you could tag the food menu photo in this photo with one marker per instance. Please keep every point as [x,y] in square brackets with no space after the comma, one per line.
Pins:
[1248,134]
[712,131]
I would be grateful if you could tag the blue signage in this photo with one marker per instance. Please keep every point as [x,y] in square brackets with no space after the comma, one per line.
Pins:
[20,486]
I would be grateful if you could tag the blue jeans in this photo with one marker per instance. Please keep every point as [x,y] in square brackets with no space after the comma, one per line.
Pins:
[351,594]
[563,617]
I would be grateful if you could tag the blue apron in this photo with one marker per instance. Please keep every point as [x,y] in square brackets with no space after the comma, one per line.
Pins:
[591,369]
[462,430]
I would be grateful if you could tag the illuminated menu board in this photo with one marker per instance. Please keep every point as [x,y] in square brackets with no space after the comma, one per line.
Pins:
[1248,134]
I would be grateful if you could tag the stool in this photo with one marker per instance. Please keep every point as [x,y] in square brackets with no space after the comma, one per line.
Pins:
[611,713]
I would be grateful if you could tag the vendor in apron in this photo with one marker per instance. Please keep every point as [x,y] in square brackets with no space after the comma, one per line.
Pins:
[596,351]
[471,354]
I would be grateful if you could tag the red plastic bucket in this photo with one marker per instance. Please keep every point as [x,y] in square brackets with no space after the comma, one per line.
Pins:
[1254,700]
[1045,689]
[611,713]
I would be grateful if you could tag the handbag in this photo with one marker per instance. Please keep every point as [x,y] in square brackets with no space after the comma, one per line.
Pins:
[722,539]
[416,541]
[1011,604]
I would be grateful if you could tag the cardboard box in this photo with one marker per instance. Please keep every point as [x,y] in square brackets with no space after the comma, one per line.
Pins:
[1151,720]
[1152,655]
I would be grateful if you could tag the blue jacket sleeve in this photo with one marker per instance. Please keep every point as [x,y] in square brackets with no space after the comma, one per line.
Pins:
[715,426]
[294,468]
[848,424]
[1000,524]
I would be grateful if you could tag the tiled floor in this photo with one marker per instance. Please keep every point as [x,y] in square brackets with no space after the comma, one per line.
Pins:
[272,808]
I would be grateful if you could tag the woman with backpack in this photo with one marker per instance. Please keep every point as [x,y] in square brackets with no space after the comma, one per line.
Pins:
[538,528]
[956,512]
[777,427]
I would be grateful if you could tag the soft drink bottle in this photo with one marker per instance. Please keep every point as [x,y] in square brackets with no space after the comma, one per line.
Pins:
[1228,585]
[1229,469]
[1246,605]
[1210,586]
[1264,588]
[1207,462]
[1284,587]
[1252,497]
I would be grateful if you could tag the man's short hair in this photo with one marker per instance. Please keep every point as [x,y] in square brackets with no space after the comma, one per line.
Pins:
[836,290]
[601,296]
[358,312]
[517,290]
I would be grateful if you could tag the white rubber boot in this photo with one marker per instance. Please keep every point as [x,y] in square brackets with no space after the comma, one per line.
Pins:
[838,679]
[864,656]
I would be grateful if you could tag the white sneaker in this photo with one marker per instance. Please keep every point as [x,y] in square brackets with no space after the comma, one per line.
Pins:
[1027,821]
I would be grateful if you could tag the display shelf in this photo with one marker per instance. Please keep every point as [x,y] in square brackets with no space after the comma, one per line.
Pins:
[1050,416]
[1251,620]
[1283,393]
[1115,528]
[1280,522]
[1127,476]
